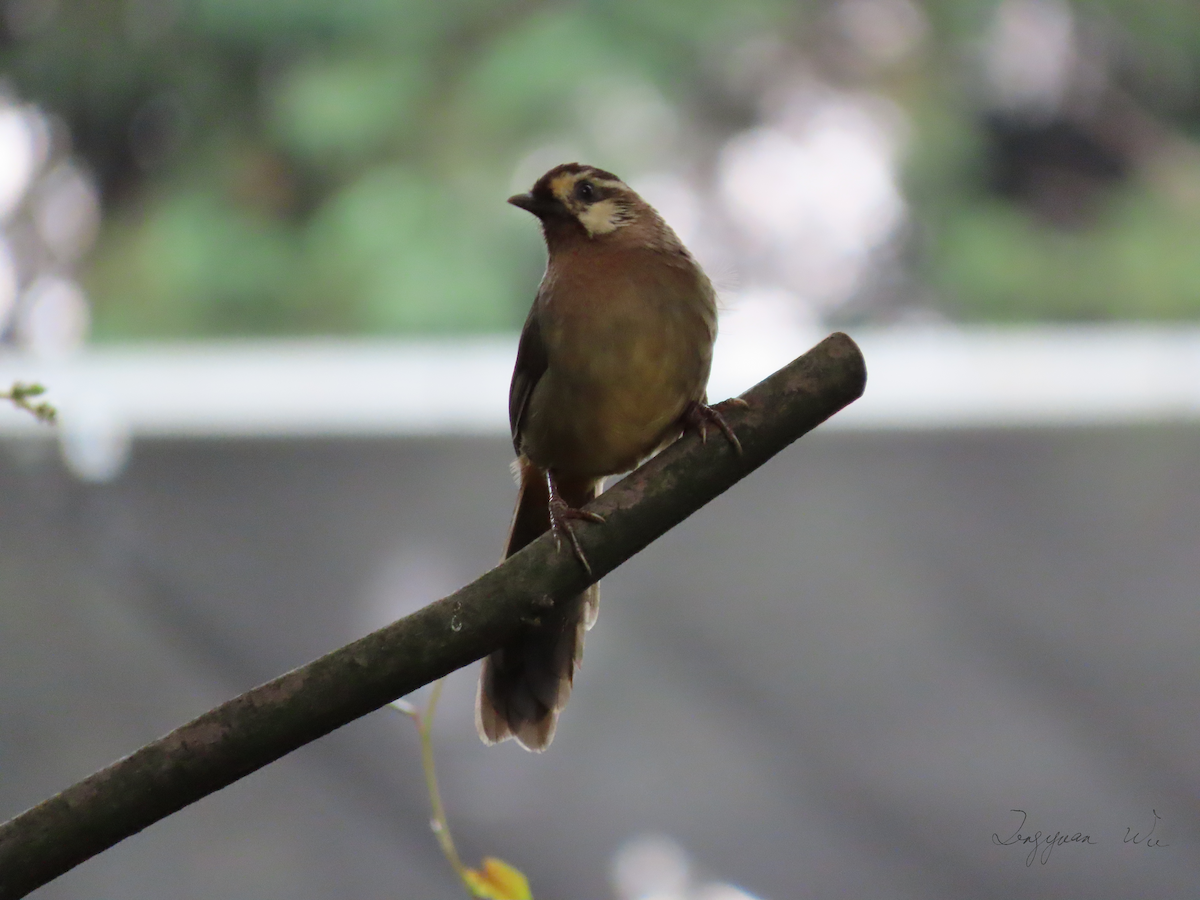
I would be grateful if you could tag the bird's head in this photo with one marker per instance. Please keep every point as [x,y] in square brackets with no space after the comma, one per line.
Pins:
[575,196]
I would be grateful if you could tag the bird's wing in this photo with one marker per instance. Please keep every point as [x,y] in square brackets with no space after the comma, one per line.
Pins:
[529,368]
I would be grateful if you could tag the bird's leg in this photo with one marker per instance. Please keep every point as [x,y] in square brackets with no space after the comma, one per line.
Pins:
[697,415]
[561,515]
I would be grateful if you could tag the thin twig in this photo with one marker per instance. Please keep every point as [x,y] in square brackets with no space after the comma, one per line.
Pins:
[19,395]
[441,825]
[438,822]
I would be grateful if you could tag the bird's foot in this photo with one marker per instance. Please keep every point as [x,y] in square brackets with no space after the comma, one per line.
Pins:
[698,415]
[561,515]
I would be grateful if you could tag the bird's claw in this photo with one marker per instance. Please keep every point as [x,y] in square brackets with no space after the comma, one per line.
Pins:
[560,524]
[698,415]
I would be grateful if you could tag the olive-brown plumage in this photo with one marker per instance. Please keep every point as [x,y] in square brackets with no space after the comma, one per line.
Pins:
[612,363]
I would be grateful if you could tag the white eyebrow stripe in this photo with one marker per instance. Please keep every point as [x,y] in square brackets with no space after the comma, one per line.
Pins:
[608,182]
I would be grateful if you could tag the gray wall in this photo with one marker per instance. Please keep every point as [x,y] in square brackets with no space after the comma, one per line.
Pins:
[836,680]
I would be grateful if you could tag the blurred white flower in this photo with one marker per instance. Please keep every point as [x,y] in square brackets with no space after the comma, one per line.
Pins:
[720,891]
[815,194]
[53,316]
[66,211]
[24,143]
[49,217]
[651,866]
[94,439]
[1030,55]
[655,867]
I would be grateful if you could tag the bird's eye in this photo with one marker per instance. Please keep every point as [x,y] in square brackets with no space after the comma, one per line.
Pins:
[585,190]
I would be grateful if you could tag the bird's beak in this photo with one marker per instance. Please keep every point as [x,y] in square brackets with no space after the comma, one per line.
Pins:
[530,203]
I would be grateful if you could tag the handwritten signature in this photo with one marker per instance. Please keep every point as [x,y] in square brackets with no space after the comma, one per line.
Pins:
[1149,840]
[1042,844]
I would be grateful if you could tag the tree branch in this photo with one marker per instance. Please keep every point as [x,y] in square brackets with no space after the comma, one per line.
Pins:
[265,723]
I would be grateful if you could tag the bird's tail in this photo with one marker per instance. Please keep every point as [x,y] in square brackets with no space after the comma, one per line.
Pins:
[524,684]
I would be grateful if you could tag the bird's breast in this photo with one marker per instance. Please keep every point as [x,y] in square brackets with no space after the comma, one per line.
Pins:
[628,347]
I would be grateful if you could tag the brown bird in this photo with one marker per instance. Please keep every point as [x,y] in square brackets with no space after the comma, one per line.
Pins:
[612,365]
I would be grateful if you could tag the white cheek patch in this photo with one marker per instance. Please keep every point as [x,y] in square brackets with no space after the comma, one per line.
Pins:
[605,217]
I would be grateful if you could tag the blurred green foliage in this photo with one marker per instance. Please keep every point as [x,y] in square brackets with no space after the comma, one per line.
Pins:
[1142,260]
[305,166]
